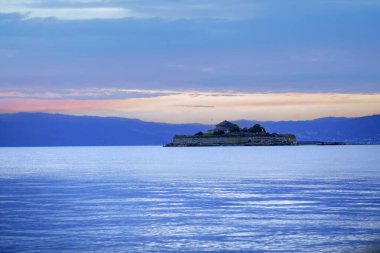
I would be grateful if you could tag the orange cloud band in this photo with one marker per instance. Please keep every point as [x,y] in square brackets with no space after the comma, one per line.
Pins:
[208,107]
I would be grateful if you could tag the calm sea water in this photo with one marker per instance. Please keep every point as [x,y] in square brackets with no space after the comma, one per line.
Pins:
[216,199]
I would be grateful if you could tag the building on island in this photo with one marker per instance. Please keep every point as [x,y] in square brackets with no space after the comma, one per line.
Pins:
[229,134]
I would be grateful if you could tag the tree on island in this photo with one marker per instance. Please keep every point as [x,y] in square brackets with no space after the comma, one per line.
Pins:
[235,128]
[257,129]
[199,134]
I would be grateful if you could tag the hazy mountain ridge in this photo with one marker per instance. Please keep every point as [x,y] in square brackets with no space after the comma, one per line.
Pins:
[42,129]
[361,130]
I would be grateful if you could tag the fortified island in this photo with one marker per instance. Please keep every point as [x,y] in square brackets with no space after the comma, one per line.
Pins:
[229,134]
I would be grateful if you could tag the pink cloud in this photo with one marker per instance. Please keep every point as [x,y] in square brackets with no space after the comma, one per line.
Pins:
[208,107]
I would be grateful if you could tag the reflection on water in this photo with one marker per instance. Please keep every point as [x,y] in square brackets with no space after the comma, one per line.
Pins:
[152,199]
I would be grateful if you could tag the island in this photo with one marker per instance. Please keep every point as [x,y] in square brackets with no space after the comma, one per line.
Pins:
[229,134]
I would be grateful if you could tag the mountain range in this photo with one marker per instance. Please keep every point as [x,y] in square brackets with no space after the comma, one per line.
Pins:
[43,129]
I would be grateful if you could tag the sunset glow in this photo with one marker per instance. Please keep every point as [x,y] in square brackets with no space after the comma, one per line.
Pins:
[205,107]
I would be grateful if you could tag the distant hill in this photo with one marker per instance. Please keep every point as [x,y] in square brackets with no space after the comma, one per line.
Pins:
[362,130]
[42,129]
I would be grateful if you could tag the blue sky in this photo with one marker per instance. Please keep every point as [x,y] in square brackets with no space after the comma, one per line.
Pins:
[209,46]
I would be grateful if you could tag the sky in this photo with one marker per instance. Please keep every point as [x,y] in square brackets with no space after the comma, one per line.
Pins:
[191,60]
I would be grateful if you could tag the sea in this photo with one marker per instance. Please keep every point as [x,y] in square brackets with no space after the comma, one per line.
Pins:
[193,199]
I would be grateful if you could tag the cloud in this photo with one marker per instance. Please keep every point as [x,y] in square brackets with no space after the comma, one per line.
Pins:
[205,107]
[316,48]
[93,93]
[165,9]
[196,106]
[142,9]
[69,13]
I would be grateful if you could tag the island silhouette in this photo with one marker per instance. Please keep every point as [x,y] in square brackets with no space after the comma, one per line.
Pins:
[229,134]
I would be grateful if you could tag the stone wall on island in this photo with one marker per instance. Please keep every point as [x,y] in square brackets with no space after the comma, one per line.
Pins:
[190,141]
